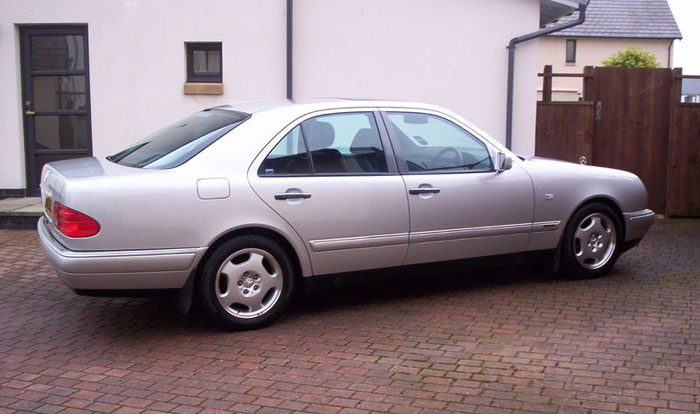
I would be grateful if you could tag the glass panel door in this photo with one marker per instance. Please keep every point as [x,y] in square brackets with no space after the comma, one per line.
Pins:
[55,96]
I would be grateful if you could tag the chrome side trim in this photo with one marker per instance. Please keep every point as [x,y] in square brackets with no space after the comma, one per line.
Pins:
[359,242]
[639,216]
[122,261]
[546,226]
[59,248]
[470,232]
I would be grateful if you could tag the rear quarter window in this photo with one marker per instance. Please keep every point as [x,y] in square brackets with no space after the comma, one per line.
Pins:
[177,143]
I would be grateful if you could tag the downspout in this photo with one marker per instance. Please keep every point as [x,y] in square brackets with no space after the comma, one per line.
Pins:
[290,20]
[670,54]
[511,64]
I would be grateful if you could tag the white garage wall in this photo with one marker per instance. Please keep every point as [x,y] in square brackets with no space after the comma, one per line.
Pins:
[448,52]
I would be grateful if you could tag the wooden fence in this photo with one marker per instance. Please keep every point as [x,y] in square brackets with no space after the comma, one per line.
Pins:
[631,119]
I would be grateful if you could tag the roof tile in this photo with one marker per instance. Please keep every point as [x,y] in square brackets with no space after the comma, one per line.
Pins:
[648,19]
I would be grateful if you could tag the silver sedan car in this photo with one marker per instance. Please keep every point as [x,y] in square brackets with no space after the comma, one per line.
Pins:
[237,203]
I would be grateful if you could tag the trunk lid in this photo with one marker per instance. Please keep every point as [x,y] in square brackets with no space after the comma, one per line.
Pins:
[57,177]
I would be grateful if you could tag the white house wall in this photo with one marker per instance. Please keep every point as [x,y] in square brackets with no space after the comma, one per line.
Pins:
[448,52]
[137,63]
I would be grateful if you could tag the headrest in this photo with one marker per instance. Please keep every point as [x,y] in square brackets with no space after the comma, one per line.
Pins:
[319,135]
[364,140]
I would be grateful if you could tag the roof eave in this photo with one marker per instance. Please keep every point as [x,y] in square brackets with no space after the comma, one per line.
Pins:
[551,10]
[600,36]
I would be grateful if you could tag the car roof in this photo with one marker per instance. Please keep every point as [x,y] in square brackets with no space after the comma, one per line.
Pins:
[316,104]
[294,108]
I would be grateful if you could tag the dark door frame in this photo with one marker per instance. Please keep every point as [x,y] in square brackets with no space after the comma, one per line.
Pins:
[30,150]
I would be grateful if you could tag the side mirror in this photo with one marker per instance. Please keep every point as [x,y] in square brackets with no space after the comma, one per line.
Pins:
[503,162]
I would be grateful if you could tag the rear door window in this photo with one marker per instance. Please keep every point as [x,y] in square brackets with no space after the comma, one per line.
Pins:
[345,143]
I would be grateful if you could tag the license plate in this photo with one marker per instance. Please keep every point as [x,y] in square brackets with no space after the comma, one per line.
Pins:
[48,206]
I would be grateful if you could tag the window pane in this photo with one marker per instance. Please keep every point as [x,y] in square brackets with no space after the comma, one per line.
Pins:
[200,61]
[63,52]
[213,61]
[345,143]
[430,142]
[571,51]
[288,157]
[59,92]
[179,142]
[61,131]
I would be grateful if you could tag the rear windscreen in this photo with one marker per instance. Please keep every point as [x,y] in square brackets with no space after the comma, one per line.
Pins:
[179,142]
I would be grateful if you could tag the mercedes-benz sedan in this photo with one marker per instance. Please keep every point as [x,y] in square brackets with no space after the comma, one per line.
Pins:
[239,202]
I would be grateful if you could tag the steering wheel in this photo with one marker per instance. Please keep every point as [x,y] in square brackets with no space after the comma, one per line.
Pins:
[441,161]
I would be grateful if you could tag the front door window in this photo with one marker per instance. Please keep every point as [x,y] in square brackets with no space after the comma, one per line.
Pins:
[431,143]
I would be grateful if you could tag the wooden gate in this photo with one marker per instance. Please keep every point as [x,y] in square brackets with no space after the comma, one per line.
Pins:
[683,195]
[630,119]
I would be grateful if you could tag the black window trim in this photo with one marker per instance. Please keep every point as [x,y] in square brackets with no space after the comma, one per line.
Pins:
[566,57]
[388,149]
[190,48]
[403,164]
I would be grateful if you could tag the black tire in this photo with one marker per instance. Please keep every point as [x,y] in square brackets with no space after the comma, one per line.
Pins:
[245,275]
[575,249]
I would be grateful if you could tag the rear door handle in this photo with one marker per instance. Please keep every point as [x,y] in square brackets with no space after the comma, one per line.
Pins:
[424,190]
[291,196]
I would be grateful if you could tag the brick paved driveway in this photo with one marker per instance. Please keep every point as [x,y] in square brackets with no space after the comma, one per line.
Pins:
[496,340]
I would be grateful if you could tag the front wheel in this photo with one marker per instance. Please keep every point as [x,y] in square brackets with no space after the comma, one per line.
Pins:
[246,282]
[592,241]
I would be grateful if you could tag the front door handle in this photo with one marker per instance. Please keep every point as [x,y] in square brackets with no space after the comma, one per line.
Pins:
[28,112]
[291,196]
[424,190]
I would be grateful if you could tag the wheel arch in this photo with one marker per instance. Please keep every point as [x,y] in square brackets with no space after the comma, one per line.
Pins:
[273,235]
[605,200]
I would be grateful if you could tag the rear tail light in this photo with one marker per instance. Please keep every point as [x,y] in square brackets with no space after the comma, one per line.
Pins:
[74,223]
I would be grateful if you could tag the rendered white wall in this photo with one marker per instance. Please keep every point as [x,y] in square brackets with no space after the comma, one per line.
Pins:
[137,63]
[446,52]
[11,133]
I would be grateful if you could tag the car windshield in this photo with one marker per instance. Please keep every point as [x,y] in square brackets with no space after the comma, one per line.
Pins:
[179,142]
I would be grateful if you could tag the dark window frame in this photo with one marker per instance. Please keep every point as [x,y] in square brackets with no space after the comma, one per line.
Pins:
[573,52]
[215,77]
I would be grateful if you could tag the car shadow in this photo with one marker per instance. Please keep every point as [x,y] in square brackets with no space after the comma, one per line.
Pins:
[324,293]
[141,319]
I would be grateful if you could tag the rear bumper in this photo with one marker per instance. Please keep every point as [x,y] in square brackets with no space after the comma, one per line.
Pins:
[119,270]
[637,224]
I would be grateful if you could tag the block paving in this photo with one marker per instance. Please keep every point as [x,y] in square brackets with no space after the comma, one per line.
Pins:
[505,339]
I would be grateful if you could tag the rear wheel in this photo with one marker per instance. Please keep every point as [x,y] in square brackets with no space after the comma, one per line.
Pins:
[592,241]
[246,282]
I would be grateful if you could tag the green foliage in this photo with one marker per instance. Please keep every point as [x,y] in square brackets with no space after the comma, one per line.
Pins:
[632,57]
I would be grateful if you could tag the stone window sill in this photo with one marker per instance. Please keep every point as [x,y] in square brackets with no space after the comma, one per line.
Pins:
[204,88]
